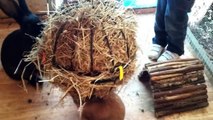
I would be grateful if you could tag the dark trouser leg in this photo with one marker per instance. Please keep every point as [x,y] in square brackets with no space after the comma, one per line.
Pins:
[176,20]
[160,33]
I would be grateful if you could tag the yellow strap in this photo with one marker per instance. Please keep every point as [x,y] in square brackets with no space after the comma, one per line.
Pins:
[121,76]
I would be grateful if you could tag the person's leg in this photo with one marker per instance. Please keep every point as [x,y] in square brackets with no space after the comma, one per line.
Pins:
[159,28]
[176,20]
[159,41]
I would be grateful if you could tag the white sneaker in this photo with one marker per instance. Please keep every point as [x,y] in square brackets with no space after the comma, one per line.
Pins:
[167,55]
[155,52]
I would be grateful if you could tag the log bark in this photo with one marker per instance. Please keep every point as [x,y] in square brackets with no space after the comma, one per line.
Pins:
[179,96]
[179,70]
[193,74]
[186,89]
[173,65]
[177,79]
[176,110]
[168,76]
[172,61]
[183,102]
[177,84]
[170,66]
[180,105]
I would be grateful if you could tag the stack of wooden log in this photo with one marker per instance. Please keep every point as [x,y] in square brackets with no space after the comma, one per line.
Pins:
[177,85]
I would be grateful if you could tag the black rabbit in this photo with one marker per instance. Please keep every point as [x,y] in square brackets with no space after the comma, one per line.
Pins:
[20,42]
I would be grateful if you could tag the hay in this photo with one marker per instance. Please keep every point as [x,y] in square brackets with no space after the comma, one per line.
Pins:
[83,45]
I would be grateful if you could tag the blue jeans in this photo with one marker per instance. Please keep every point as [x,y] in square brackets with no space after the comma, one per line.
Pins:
[171,24]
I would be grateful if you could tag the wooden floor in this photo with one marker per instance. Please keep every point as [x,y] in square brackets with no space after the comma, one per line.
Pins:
[43,104]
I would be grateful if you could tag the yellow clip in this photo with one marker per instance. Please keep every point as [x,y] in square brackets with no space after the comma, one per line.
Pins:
[121,72]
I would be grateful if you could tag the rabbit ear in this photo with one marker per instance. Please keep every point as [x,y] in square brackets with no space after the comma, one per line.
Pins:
[15,10]
[23,6]
[11,8]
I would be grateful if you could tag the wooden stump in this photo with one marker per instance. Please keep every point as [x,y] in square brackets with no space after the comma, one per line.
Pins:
[109,107]
[177,86]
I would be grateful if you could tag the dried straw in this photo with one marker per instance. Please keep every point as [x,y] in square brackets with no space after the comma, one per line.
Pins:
[83,45]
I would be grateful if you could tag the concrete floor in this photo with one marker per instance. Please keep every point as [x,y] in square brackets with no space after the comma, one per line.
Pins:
[43,104]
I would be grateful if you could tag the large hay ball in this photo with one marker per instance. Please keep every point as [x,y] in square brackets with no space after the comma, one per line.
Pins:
[86,46]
